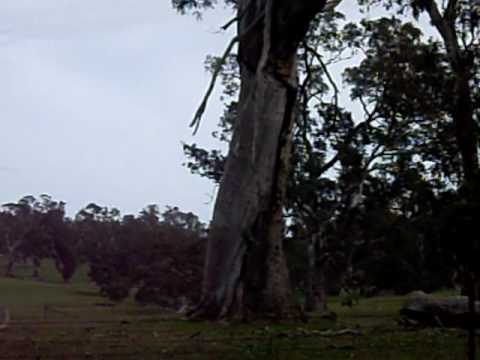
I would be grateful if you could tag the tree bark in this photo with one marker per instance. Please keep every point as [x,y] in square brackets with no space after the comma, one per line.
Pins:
[245,240]
[36,269]
[12,259]
[466,135]
[465,127]
[461,62]
[316,294]
[9,268]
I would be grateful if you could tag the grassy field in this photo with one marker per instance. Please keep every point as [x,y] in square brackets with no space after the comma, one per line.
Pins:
[51,320]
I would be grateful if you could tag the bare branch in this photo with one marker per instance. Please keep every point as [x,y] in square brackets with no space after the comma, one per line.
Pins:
[451,11]
[203,105]
[230,23]
[445,27]
[331,5]
[236,18]
[327,73]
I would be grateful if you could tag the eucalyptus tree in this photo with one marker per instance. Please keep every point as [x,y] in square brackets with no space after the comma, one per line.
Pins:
[17,220]
[399,126]
[457,25]
[339,156]
[34,229]
[245,262]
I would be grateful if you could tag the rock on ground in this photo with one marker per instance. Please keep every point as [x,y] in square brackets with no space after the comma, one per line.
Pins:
[451,311]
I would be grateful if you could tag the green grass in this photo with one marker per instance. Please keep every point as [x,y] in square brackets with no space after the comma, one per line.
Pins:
[51,320]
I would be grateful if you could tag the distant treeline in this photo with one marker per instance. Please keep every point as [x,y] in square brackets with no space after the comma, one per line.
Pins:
[158,256]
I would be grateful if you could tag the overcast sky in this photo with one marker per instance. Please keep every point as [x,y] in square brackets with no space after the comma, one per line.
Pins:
[96,97]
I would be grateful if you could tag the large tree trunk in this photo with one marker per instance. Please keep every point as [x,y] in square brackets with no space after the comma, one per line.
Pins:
[245,240]
[466,135]
[461,62]
[466,129]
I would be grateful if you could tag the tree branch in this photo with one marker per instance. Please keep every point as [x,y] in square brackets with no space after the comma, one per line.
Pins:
[203,105]
[445,27]
[327,73]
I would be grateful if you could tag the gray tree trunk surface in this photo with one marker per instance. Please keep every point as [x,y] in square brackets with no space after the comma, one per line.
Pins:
[245,265]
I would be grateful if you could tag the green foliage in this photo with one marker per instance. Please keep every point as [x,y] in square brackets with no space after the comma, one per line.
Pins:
[158,257]
[34,230]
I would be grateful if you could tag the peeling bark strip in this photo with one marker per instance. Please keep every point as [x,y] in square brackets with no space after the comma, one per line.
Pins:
[245,242]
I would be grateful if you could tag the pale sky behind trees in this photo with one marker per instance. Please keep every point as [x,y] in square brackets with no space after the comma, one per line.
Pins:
[96,98]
